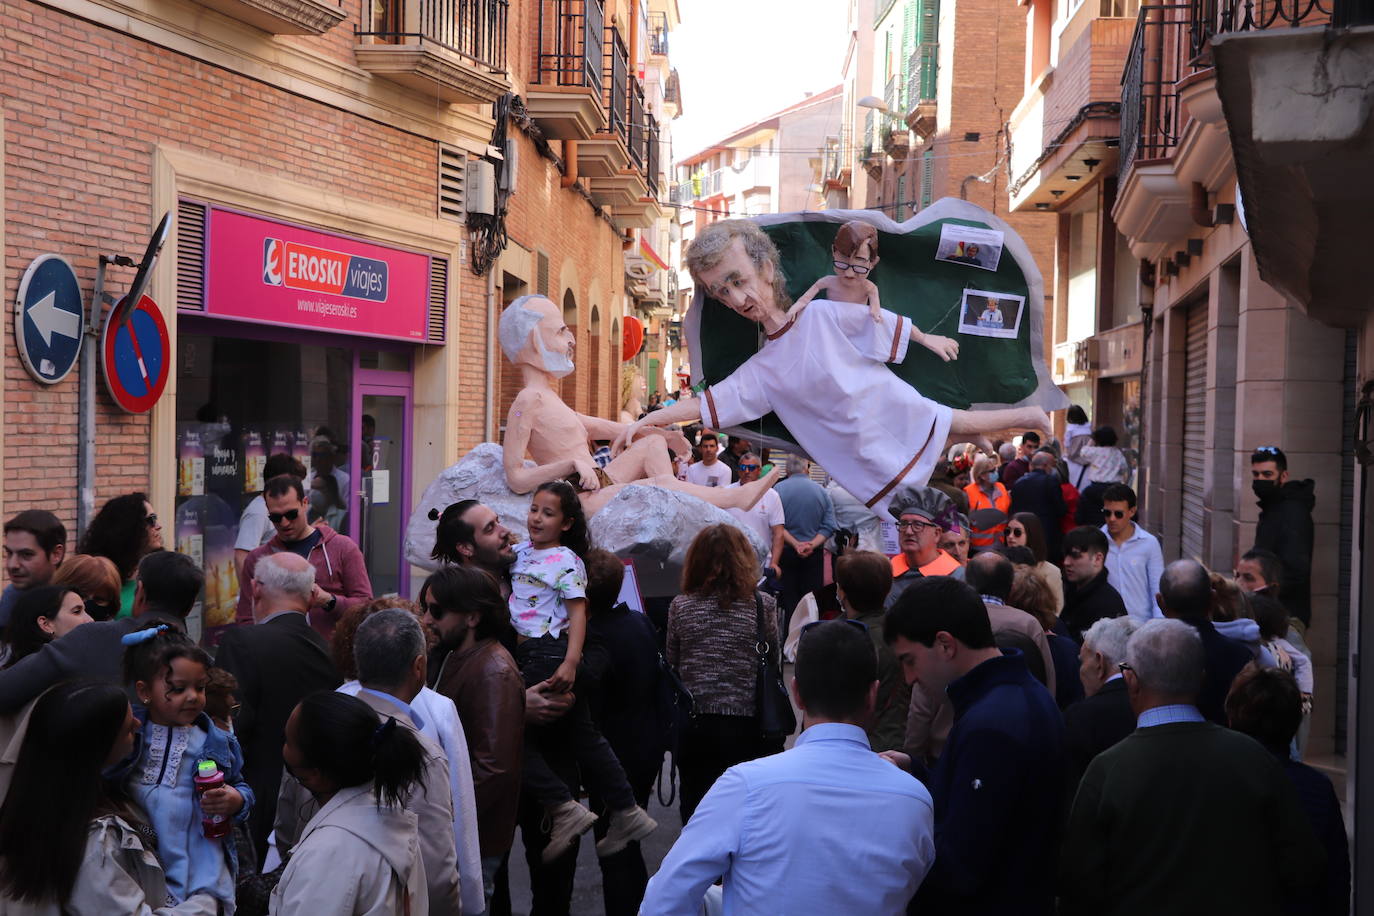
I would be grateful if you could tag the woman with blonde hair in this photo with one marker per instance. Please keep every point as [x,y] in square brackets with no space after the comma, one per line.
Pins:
[984,494]
[1030,593]
[713,627]
[96,580]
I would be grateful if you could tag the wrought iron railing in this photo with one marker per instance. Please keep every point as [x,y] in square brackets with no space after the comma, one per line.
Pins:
[637,126]
[651,154]
[1173,41]
[571,43]
[1216,17]
[921,74]
[1159,57]
[617,98]
[658,34]
[473,29]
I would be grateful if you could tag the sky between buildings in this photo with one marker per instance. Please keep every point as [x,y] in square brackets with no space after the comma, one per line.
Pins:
[741,60]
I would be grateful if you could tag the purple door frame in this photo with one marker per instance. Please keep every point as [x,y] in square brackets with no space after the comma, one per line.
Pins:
[385,384]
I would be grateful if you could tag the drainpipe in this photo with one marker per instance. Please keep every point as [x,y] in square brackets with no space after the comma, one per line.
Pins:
[491,421]
[569,164]
[634,38]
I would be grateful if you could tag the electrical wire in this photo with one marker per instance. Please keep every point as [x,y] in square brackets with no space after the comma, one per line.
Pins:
[489,230]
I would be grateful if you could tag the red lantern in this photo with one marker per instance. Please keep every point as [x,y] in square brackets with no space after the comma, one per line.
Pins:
[632,338]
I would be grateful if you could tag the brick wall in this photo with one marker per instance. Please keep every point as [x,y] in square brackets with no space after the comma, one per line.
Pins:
[987,60]
[547,218]
[84,108]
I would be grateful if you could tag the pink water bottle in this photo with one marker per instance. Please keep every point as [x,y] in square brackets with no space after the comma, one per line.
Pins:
[209,777]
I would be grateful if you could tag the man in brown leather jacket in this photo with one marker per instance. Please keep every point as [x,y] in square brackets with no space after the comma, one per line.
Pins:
[463,607]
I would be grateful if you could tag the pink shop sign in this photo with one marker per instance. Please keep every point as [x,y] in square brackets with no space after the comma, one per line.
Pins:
[270,272]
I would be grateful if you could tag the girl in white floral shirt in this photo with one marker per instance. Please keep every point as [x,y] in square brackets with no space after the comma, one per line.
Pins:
[548,608]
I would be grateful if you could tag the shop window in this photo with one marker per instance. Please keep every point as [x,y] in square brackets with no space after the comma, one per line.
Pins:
[238,402]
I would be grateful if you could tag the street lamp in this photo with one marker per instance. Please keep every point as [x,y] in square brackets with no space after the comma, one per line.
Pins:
[872,101]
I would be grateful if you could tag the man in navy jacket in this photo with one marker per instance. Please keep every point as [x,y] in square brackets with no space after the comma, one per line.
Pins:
[998,783]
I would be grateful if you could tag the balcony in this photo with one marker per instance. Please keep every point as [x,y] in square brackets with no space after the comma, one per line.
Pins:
[607,152]
[896,137]
[921,89]
[565,96]
[672,95]
[658,34]
[1297,104]
[652,163]
[282,17]
[1065,129]
[454,50]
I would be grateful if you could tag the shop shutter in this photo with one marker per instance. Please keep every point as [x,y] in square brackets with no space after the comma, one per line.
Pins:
[190,226]
[452,171]
[542,286]
[438,299]
[1194,432]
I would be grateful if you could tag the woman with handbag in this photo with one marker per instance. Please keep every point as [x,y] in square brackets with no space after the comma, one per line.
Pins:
[722,640]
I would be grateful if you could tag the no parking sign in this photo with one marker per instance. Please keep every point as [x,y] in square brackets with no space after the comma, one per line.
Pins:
[136,350]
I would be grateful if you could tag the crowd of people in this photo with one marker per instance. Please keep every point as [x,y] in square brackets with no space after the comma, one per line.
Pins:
[1018,707]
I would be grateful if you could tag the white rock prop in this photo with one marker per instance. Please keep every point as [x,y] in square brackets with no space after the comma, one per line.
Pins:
[478,475]
[651,523]
[643,522]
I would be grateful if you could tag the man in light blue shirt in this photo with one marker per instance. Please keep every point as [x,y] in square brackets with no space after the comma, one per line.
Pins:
[809,521]
[1134,559]
[826,827]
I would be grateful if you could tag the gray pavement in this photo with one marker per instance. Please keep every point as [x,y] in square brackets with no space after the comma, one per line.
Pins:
[586,899]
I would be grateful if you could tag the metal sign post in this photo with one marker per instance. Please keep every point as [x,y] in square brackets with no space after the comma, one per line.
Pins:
[85,506]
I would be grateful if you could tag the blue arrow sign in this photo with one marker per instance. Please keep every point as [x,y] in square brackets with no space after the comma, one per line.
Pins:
[47,320]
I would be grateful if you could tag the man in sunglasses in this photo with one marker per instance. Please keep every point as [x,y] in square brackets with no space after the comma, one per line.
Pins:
[341,580]
[766,518]
[1134,558]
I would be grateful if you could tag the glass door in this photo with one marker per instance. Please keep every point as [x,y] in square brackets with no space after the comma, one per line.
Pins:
[382,497]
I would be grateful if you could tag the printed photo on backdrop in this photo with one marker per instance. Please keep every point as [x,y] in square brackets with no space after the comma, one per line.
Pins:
[970,245]
[986,314]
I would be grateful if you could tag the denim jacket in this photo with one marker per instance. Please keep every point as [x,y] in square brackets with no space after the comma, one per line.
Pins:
[221,747]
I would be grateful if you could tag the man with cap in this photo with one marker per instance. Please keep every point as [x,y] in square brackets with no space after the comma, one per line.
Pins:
[922,514]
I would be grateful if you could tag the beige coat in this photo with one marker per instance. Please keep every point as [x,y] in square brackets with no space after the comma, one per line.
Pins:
[118,875]
[431,802]
[355,858]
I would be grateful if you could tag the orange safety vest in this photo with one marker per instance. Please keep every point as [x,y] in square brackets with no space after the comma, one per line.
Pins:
[942,565]
[983,538]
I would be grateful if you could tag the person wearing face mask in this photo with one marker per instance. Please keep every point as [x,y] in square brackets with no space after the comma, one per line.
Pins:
[1285,526]
[984,494]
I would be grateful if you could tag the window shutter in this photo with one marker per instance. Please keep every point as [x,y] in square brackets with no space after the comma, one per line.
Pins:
[438,300]
[191,256]
[542,286]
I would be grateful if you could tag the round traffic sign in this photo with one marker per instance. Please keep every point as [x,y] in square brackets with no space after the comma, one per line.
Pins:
[47,318]
[135,352]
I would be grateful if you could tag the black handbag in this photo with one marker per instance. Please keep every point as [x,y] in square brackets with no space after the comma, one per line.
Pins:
[776,716]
